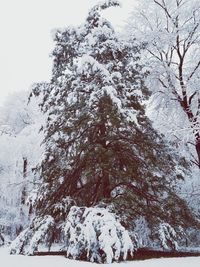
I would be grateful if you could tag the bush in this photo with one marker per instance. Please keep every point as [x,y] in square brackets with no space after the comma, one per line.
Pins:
[94,234]
[28,241]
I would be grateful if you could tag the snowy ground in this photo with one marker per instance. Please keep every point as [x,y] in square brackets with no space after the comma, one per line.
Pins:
[7,260]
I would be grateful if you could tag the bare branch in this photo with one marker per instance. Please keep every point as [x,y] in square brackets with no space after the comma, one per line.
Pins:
[191,97]
[163,84]
[194,71]
[163,7]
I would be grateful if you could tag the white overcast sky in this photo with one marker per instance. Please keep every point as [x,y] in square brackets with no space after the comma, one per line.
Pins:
[25,36]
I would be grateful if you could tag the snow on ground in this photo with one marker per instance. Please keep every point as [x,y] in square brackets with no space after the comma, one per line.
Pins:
[7,260]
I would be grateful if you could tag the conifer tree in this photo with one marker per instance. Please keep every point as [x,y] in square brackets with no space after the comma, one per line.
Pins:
[101,149]
[100,145]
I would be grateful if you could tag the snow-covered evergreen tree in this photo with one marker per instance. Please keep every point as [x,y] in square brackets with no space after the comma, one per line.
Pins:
[98,139]
[100,148]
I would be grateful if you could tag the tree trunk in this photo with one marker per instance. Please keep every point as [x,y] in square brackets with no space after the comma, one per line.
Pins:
[197,146]
[106,185]
[103,136]
[194,125]
[25,164]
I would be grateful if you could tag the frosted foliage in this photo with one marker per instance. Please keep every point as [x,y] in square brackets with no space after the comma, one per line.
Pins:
[103,5]
[17,245]
[20,139]
[179,131]
[28,240]
[96,232]
[190,191]
[88,65]
[170,31]
[95,54]
[142,232]
[167,236]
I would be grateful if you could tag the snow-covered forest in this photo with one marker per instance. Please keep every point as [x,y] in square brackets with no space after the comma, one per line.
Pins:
[105,158]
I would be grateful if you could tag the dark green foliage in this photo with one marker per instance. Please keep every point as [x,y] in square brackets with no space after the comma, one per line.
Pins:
[100,146]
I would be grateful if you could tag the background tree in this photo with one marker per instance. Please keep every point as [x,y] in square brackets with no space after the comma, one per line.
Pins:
[20,152]
[170,31]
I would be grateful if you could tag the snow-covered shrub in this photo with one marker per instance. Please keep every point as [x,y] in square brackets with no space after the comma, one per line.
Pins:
[38,232]
[167,236]
[13,215]
[95,234]
[191,238]
[142,232]
[61,209]
[92,234]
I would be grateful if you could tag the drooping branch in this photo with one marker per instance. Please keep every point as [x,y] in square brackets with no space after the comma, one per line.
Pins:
[136,190]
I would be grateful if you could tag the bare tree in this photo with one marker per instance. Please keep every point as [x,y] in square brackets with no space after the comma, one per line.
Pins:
[170,30]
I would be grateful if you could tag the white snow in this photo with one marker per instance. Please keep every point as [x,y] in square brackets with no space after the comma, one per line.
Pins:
[85,224]
[167,233]
[52,261]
